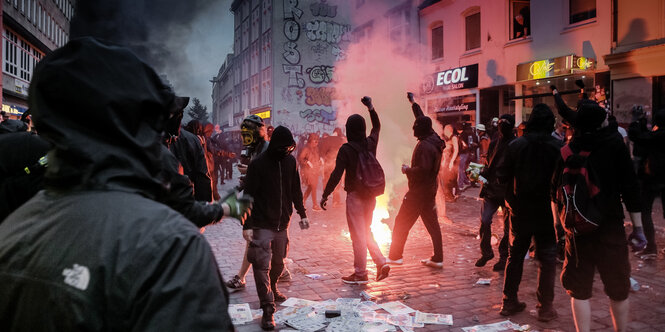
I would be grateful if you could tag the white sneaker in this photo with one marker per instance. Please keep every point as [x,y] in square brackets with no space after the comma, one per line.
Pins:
[430,263]
[394,262]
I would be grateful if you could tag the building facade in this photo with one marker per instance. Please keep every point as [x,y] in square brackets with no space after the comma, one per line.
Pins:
[493,57]
[636,61]
[30,29]
[222,94]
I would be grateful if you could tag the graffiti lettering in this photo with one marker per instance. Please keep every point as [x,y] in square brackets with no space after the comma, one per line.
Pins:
[319,96]
[322,9]
[291,53]
[320,48]
[294,73]
[318,115]
[338,53]
[291,30]
[291,9]
[329,32]
[320,74]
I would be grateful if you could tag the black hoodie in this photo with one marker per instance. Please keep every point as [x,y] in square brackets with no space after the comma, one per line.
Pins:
[95,251]
[274,183]
[426,158]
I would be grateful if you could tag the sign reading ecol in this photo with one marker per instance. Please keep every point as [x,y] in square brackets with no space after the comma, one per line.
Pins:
[453,79]
[452,76]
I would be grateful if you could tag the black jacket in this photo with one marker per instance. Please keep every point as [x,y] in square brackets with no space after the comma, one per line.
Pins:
[347,156]
[19,151]
[425,160]
[494,190]
[274,183]
[188,150]
[527,171]
[94,251]
[652,144]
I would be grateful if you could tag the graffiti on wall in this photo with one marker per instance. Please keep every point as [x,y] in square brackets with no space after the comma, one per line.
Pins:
[320,74]
[319,96]
[330,32]
[323,9]
[319,115]
[294,73]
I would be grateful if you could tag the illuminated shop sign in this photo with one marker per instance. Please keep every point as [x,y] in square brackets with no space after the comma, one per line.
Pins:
[454,104]
[264,115]
[564,65]
[14,109]
[452,79]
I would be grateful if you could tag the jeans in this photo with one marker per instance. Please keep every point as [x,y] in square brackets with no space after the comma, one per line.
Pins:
[462,179]
[359,210]
[487,211]
[650,191]
[414,206]
[520,241]
[266,252]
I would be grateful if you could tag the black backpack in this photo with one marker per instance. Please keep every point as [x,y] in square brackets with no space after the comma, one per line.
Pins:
[369,173]
[577,195]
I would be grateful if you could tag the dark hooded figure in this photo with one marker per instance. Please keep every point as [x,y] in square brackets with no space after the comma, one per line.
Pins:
[650,171]
[21,165]
[420,200]
[527,171]
[94,250]
[492,193]
[359,204]
[274,182]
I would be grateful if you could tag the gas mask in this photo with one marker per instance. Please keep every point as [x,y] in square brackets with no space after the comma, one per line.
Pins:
[249,134]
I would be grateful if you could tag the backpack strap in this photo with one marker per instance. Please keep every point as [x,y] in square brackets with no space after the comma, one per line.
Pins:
[566,152]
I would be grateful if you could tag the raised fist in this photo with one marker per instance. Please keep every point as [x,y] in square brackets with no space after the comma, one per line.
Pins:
[409,96]
[367,101]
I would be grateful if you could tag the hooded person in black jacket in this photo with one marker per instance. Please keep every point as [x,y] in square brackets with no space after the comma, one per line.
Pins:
[527,171]
[492,193]
[95,250]
[359,204]
[420,200]
[274,183]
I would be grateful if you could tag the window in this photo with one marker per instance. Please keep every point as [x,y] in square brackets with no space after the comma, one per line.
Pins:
[266,87]
[19,57]
[437,42]
[520,19]
[472,28]
[398,21]
[581,10]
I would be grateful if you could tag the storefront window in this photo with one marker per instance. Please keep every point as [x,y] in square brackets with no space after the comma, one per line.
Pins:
[520,18]
[581,10]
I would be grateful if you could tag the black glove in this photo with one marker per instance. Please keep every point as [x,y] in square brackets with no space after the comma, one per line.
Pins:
[637,239]
[367,101]
[552,87]
[324,201]
[409,96]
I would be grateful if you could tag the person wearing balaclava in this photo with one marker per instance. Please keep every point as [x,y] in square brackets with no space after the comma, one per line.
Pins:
[650,171]
[526,171]
[605,249]
[492,193]
[359,204]
[420,199]
[566,112]
[274,183]
[100,251]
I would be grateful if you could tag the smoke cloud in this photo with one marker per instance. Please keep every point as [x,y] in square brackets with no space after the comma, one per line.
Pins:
[186,41]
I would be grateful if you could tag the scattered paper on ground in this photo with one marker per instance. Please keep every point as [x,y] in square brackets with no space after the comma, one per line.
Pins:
[240,313]
[505,325]
[427,318]
[484,281]
[313,276]
[296,302]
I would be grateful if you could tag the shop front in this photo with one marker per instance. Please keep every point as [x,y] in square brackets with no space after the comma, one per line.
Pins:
[535,78]
[451,96]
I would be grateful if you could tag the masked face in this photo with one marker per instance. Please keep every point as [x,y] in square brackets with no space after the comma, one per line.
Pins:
[282,152]
[247,136]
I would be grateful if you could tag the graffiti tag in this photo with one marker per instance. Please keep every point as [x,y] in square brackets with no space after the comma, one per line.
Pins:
[319,96]
[318,115]
[330,32]
[320,74]
[294,73]
[323,9]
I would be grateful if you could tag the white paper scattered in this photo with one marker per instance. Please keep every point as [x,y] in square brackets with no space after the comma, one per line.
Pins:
[296,302]
[240,313]
[427,318]
[484,281]
[313,276]
[495,327]
[396,308]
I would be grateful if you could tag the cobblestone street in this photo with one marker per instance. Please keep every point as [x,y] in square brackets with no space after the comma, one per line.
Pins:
[325,250]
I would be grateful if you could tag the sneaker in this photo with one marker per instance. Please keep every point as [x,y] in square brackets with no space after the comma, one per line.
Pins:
[394,261]
[285,276]
[483,260]
[267,321]
[355,280]
[499,266]
[236,283]
[278,296]
[431,263]
[510,308]
[547,314]
[648,256]
[382,272]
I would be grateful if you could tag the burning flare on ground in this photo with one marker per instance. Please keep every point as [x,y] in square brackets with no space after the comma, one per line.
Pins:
[381,231]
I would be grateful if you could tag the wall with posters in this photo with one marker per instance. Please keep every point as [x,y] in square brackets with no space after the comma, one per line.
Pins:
[309,36]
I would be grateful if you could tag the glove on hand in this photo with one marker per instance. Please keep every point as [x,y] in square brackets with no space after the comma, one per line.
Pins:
[324,201]
[304,223]
[637,239]
[239,206]
[367,101]
[552,87]
[409,96]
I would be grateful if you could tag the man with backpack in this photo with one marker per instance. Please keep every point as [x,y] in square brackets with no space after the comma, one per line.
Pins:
[527,171]
[594,176]
[650,170]
[364,181]
[420,200]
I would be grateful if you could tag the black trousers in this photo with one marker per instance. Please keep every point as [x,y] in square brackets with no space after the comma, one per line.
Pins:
[649,191]
[520,241]
[487,211]
[414,206]
[266,252]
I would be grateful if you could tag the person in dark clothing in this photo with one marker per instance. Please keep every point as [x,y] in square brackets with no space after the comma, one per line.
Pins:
[492,193]
[568,114]
[420,200]
[359,204]
[128,252]
[650,171]
[21,166]
[310,168]
[605,248]
[328,147]
[527,171]
[274,182]
[186,147]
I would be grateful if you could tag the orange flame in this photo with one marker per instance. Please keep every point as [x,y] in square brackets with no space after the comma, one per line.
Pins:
[381,231]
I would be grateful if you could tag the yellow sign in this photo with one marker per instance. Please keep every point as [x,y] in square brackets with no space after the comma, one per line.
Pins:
[264,115]
[13,109]
[541,69]
[584,63]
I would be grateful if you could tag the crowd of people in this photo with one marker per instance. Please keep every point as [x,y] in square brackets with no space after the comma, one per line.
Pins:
[103,204]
